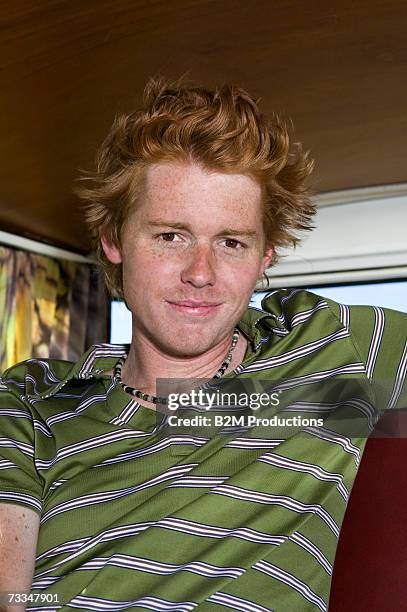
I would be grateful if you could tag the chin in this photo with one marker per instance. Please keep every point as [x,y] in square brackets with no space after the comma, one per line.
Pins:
[188,344]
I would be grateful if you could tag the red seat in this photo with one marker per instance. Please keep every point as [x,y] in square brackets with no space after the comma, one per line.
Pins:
[370,571]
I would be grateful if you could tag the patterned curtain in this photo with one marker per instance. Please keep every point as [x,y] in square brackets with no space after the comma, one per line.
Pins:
[50,307]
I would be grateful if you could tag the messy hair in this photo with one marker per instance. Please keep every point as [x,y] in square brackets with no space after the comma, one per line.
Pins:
[220,129]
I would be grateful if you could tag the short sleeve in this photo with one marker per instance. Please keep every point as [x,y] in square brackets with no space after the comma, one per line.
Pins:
[380,337]
[20,482]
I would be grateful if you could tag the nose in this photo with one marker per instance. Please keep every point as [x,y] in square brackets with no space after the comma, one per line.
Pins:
[200,268]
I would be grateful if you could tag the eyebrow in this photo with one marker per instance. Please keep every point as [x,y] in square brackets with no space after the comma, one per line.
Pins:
[228,231]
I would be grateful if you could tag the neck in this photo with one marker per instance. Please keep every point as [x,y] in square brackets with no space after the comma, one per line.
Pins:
[146,363]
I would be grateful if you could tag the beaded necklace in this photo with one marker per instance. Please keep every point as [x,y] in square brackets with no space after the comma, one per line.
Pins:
[117,374]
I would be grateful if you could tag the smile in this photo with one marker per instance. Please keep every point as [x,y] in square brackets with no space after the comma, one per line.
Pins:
[195,309]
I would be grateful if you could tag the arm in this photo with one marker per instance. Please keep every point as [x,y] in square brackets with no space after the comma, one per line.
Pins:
[18,542]
[21,489]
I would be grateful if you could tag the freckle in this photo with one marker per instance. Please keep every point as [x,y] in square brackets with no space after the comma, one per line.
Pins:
[16,538]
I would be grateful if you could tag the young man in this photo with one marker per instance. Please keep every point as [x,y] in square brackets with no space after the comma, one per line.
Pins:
[106,506]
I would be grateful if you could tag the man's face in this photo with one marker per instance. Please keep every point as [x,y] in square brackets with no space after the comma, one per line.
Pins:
[191,251]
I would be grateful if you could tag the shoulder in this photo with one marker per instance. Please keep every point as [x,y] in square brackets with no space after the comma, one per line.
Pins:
[34,376]
[289,300]
[291,306]
[378,335]
[40,379]
[44,376]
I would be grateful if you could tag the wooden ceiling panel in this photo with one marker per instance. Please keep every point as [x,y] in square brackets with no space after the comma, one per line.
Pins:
[337,68]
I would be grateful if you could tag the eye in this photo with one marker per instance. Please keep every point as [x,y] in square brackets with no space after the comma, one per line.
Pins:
[167,236]
[231,243]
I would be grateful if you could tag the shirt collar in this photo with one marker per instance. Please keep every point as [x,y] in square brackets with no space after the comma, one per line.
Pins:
[257,325]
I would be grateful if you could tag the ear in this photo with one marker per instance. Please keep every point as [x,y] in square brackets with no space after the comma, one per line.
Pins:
[266,261]
[111,251]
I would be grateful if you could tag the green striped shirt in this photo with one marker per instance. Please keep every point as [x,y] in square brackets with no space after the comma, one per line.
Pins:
[137,515]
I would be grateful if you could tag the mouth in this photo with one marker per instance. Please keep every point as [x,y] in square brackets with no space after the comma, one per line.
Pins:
[195,308]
